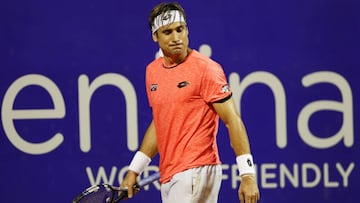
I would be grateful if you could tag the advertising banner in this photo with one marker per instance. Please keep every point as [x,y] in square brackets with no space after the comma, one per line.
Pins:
[74,108]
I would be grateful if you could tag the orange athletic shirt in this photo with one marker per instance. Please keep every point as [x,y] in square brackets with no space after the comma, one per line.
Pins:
[181,100]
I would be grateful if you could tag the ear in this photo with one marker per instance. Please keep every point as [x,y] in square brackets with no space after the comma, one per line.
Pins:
[155,37]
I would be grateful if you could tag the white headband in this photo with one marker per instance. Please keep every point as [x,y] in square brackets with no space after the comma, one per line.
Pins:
[167,18]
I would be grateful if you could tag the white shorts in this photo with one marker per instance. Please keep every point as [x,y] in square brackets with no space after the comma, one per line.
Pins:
[197,185]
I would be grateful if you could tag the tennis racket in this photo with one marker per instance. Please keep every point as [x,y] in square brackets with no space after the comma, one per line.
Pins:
[106,193]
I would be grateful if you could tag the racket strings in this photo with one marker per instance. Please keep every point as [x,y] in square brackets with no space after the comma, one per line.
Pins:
[100,195]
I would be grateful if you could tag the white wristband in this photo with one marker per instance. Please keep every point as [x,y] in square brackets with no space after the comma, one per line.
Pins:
[139,162]
[245,164]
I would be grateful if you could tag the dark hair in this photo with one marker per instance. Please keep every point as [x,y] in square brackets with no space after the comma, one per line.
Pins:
[162,8]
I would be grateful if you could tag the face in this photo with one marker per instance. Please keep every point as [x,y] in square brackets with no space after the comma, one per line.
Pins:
[173,39]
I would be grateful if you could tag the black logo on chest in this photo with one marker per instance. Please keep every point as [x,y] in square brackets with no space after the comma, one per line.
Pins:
[183,84]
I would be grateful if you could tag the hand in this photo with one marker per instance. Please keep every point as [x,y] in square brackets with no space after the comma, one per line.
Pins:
[129,182]
[248,191]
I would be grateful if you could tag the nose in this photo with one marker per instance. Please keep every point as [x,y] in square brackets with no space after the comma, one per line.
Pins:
[175,38]
[178,41]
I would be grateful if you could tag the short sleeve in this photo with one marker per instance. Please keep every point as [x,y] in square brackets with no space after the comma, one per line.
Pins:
[214,86]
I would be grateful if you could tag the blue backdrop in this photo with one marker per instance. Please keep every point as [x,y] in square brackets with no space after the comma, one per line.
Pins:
[74,107]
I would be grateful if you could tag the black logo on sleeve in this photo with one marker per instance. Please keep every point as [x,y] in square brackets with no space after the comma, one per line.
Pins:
[182,84]
[153,87]
[225,88]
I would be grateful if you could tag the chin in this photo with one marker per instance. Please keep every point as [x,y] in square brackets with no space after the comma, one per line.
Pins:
[177,51]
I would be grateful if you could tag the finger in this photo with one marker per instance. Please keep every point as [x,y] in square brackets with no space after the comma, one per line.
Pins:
[130,192]
[136,190]
[123,193]
[250,198]
[242,199]
[255,198]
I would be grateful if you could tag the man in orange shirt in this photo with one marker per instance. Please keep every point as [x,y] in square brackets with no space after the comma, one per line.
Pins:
[188,92]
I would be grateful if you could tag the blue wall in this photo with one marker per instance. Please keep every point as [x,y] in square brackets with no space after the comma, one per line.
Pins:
[74,107]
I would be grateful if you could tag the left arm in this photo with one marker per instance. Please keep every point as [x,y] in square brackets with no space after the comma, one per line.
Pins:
[248,191]
[237,132]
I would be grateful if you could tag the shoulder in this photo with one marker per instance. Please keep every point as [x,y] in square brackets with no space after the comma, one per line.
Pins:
[207,67]
[154,65]
[202,59]
[155,62]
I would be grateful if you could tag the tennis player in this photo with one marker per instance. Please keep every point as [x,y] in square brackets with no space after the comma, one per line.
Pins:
[188,92]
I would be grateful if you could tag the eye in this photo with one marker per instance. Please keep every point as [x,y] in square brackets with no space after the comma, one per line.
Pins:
[180,29]
[167,32]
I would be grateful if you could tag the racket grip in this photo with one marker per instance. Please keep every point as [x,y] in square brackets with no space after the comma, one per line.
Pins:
[124,194]
[137,186]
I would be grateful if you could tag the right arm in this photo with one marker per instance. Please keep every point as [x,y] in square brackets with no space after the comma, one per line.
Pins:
[149,148]
[149,143]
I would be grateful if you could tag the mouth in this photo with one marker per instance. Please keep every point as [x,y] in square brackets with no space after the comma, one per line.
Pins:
[176,46]
[176,43]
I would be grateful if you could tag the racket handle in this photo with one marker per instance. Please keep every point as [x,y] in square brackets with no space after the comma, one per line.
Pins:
[123,195]
[138,185]
[148,180]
